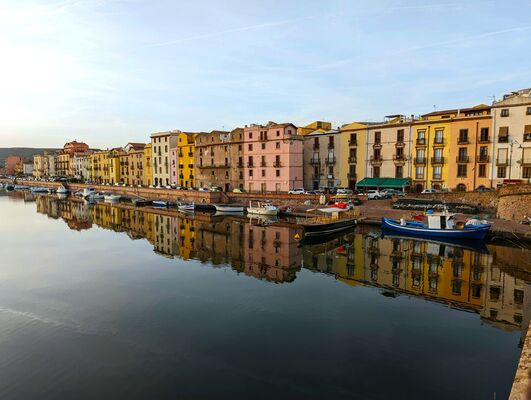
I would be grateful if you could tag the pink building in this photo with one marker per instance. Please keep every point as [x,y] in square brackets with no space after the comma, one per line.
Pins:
[174,162]
[13,164]
[273,158]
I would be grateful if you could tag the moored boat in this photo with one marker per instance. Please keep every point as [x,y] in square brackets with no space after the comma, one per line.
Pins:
[111,197]
[159,203]
[262,208]
[229,208]
[329,222]
[21,187]
[39,190]
[186,207]
[439,224]
[88,191]
[141,202]
[62,190]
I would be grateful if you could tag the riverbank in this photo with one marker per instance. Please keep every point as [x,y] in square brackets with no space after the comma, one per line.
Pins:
[369,213]
[521,389]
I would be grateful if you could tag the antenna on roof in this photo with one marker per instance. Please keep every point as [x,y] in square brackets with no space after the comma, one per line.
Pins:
[434,107]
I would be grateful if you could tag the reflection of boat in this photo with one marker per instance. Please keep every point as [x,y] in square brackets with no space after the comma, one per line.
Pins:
[62,190]
[473,245]
[262,208]
[141,202]
[186,207]
[112,197]
[229,208]
[95,196]
[21,187]
[39,190]
[159,203]
[88,191]
[262,220]
[9,187]
[439,225]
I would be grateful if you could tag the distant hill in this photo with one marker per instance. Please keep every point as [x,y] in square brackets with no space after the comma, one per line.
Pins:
[26,152]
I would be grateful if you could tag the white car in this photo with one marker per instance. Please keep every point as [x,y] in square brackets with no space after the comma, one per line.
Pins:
[375,195]
[344,191]
[296,191]
[429,191]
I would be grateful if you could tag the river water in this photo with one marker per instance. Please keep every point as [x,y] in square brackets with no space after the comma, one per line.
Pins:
[101,301]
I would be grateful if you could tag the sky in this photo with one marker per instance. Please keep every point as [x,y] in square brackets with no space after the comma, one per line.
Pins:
[108,72]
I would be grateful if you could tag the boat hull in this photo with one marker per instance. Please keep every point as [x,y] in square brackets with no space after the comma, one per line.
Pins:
[229,208]
[477,233]
[261,211]
[313,230]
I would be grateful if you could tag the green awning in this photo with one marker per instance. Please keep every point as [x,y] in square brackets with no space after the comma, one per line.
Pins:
[383,183]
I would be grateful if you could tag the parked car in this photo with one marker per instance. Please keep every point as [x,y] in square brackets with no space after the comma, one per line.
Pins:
[202,189]
[375,195]
[215,189]
[297,191]
[425,191]
[393,192]
[237,190]
[483,189]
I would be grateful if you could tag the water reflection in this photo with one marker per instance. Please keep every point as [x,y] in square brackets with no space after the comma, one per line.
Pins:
[492,282]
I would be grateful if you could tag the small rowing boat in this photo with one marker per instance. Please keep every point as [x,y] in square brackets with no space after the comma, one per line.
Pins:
[262,208]
[229,208]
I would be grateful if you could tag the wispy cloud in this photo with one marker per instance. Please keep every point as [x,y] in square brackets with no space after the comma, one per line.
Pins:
[234,30]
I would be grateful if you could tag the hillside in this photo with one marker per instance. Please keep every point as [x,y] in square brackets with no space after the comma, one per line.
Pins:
[27,152]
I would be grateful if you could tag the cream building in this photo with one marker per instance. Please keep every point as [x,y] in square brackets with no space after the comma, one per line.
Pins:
[162,143]
[352,153]
[512,138]
[322,158]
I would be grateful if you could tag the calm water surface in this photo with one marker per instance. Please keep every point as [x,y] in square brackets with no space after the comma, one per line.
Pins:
[112,302]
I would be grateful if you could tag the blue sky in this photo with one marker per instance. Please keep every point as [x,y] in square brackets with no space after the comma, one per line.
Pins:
[112,71]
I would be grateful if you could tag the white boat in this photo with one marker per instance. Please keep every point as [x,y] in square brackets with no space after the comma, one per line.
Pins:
[111,197]
[62,190]
[95,196]
[88,191]
[262,208]
[229,208]
[39,190]
[159,203]
[186,207]
[21,187]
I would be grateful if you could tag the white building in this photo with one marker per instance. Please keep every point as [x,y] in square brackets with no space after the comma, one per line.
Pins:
[512,138]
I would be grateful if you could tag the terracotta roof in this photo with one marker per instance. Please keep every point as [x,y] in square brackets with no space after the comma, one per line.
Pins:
[461,110]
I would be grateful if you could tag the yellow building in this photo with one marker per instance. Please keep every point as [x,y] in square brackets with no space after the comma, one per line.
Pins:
[319,126]
[353,143]
[113,164]
[147,176]
[185,157]
[100,170]
[431,150]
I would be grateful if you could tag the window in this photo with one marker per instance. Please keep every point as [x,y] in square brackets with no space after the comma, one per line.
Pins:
[277,145]
[527,133]
[482,172]
[419,172]
[250,135]
[526,172]
[251,161]
[437,172]
[463,136]
[461,170]
[399,171]
[376,172]
[505,112]
[263,146]
[263,172]
[461,187]
[377,137]
[277,172]
[502,171]
[439,139]
[421,137]
[240,147]
[462,155]
[250,173]
[400,135]
[250,147]
[526,156]
[484,135]
[503,136]
[528,111]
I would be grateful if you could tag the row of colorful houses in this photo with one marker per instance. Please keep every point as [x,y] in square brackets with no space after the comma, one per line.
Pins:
[458,149]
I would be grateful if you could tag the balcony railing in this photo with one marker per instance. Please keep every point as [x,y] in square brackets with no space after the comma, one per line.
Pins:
[483,158]
[250,165]
[438,141]
[351,175]
[330,160]
[503,139]
[377,145]
[400,143]
[376,159]
[352,160]
[277,164]
[437,160]
[352,142]
[330,146]
[420,160]
[462,159]
[315,161]
[399,158]
[462,140]
[484,139]
[316,146]
[263,164]
[421,142]
[525,161]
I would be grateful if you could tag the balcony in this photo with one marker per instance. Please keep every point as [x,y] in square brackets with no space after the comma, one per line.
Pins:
[376,160]
[316,146]
[503,139]
[421,142]
[352,142]
[377,145]
[462,159]
[330,146]
[330,160]
[263,164]
[483,158]
[351,175]
[400,143]
[277,164]
[399,159]
[190,154]
[352,160]
[525,161]
[484,139]
[437,160]
[250,165]
[438,141]
[462,140]
[315,161]
[502,162]
[420,160]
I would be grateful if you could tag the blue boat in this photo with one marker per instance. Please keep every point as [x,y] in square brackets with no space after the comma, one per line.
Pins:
[439,225]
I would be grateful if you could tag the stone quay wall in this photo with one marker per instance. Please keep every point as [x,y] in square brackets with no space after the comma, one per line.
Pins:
[514,202]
